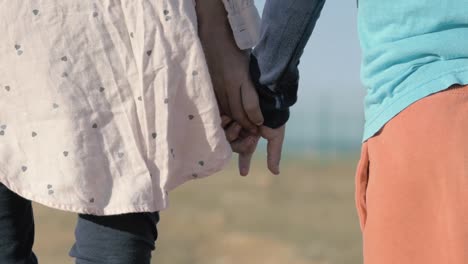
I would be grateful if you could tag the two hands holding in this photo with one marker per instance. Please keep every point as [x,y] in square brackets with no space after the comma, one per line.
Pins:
[235,92]
[242,121]
[241,115]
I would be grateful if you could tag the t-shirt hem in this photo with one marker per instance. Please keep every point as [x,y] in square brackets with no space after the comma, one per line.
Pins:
[399,104]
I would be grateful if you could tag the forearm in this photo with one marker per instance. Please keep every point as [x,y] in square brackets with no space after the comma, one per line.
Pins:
[216,35]
[286,29]
[212,18]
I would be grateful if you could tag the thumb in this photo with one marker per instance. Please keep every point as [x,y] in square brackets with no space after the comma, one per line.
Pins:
[251,103]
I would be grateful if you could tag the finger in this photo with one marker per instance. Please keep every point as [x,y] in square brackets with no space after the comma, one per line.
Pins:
[237,111]
[251,103]
[274,149]
[243,145]
[244,133]
[246,158]
[232,131]
[225,121]
[244,163]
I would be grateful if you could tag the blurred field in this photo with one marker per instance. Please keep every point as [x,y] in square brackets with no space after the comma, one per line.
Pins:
[304,216]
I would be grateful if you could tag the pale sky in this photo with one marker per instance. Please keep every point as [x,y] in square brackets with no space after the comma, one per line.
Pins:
[330,79]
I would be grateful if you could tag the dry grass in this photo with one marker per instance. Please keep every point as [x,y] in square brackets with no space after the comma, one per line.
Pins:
[304,216]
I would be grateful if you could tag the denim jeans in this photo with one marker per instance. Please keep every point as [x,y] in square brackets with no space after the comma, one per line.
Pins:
[115,239]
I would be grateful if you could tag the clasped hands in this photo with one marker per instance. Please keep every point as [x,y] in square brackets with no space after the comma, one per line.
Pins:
[235,92]
[238,103]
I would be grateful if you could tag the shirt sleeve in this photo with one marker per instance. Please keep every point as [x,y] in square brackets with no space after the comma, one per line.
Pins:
[285,30]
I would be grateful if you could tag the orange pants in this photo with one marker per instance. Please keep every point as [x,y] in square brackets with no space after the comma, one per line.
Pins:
[412,184]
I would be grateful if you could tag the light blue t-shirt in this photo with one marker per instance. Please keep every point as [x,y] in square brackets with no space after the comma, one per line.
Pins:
[411,49]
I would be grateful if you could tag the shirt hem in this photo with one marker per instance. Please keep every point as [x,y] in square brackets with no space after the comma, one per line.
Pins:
[221,165]
[83,210]
[135,208]
[401,103]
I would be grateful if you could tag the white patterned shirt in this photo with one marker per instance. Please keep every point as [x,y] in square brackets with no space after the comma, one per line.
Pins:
[105,106]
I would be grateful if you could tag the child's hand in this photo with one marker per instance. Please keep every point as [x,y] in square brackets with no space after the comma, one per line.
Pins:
[275,138]
[241,142]
[228,66]
[245,144]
